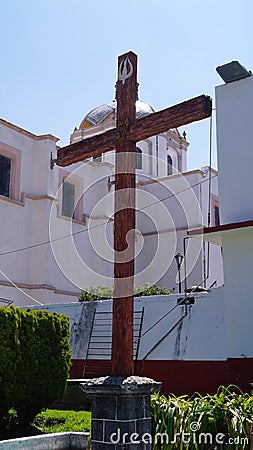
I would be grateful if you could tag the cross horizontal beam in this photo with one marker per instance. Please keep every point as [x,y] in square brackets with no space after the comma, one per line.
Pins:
[173,117]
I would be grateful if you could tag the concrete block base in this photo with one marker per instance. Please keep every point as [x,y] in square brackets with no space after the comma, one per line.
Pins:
[121,416]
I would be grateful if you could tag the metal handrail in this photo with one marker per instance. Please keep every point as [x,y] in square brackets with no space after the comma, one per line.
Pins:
[167,334]
[6,301]
[138,341]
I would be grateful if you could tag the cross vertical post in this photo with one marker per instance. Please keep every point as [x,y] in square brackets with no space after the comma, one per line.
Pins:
[128,131]
[124,219]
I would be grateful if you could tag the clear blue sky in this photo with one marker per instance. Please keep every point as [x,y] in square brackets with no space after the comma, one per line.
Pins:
[58,57]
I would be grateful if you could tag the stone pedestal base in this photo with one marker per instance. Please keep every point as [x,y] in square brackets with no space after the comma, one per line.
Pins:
[121,418]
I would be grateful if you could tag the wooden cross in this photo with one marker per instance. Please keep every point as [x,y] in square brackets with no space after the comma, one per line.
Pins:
[128,131]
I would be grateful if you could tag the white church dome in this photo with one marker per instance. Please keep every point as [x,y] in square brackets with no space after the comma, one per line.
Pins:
[107,112]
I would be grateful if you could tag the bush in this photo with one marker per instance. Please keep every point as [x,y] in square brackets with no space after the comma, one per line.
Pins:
[103,293]
[9,357]
[186,421]
[148,290]
[37,360]
[95,293]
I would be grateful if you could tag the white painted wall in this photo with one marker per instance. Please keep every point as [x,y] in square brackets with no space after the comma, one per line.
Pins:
[234,143]
[57,271]
[196,339]
[235,161]
[238,269]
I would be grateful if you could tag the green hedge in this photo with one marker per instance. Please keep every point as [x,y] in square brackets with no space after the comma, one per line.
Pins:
[34,360]
[9,357]
[103,293]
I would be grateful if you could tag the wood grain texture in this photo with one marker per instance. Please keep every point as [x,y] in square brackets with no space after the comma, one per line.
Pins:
[192,110]
[124,222]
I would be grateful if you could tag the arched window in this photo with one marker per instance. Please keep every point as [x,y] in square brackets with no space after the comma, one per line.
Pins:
[68,199]
[5,174]
[169,165]
[216,215]
[138,158]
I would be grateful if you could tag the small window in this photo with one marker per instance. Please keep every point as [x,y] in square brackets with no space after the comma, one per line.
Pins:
[169,165]
[5,174]
[68,199]
[138,158]
[216,216]
[97,158]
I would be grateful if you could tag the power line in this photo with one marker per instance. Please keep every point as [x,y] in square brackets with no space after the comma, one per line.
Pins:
[100,225]
[19,289]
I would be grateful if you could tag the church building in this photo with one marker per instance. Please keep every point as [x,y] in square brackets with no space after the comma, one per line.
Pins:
[57,223]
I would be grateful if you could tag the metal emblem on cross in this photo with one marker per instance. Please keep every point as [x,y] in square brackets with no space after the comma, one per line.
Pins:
[123,73]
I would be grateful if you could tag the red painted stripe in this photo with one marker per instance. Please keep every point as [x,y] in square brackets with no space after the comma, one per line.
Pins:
[185,377]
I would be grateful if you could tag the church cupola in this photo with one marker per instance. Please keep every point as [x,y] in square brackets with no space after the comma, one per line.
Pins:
[169,147]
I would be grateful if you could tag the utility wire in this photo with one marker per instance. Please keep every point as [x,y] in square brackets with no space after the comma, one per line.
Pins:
[19,289]
[100,225]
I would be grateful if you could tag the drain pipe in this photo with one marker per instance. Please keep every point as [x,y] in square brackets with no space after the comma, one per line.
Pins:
[157,154]
[185,265]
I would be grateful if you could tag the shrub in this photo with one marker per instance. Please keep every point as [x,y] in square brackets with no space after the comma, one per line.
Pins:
[148,290]
[9,357]
[37,370]
[184,419]
[103,293]
[95,293]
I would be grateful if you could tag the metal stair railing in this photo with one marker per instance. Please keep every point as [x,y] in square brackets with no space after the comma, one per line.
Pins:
[99,349]
[6,301]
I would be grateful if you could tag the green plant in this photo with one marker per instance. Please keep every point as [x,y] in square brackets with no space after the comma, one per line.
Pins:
[228,413]
[103,293]
[9,357]
[148,290]
[45,355]
[36,360]
[95,293]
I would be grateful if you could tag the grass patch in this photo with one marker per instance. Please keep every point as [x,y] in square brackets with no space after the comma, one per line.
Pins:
[57,421]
